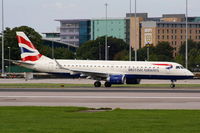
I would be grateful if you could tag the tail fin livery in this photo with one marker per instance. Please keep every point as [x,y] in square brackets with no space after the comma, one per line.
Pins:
[28,51]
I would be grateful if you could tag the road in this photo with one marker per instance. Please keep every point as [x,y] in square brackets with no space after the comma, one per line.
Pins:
[126,98]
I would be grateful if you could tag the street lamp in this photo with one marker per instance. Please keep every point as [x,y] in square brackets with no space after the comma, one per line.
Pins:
[9,57]
[135,31]
[3,73]
[129,35]
[106,38]
[147,45]
[186,41]
[52,46]
[99,51]
[108,51]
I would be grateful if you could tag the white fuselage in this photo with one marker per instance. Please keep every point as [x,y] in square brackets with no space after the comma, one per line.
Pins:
[139,69]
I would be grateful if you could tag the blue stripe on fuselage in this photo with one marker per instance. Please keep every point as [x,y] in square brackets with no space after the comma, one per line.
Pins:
[170,77]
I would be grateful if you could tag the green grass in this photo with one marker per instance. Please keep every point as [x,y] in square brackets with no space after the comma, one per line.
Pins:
[70,120]
[41,85]
[52,85]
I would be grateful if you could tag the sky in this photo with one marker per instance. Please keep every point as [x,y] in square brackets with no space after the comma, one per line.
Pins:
[41,14]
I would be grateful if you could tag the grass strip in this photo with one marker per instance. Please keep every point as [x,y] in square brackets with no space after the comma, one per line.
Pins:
[71,120]
[52,85]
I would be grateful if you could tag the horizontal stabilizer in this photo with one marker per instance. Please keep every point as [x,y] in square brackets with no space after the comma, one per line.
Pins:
[19,62]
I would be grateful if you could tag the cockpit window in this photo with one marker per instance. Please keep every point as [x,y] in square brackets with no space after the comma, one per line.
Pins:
[179,67]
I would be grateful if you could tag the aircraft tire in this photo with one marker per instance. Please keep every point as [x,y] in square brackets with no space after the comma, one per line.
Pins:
[172,85]
[97,84]
[107,84]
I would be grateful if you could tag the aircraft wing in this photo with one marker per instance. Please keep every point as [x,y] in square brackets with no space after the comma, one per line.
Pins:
[91,73]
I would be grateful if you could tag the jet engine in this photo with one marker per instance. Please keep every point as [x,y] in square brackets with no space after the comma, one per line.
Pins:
[116,79]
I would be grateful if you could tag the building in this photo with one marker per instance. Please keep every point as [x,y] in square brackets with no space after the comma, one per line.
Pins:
[169,29]
[52,35]
[137,31]
[116,27]
[53,40]
[75,31]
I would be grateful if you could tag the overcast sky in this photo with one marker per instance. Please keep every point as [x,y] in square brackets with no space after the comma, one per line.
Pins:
[41,14]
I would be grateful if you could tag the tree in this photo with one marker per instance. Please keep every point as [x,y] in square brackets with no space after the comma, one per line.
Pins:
[193,54]
[95,49]
[10,40]
[162,52]
[63,53]
[142,53]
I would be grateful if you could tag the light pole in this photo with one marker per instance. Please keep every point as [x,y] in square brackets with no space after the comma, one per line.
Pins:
[52,46]
[186,41]
[106,36]
[108,51]
[129,35]
[9,57]
[135,31]
[99,51]
[148,45]
[3,72]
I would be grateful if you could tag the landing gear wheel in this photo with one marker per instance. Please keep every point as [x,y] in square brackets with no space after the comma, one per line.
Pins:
[97,84]
[107,84]
[172,85]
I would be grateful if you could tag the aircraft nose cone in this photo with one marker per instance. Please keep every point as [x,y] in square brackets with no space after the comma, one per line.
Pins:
[189,74]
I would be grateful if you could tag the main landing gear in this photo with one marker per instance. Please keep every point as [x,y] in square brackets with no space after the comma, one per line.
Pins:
[172,84]
[107,84]
[98,84]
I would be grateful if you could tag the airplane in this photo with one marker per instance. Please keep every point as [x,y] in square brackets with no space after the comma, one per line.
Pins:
[112,72]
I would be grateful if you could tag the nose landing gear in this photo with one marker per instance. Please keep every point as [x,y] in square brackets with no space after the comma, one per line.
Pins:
[173,84]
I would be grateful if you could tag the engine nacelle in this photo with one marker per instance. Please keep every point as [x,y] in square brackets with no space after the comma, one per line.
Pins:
[132,81]
[116,79]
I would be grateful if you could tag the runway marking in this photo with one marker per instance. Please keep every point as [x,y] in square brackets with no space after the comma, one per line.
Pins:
[100,97]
